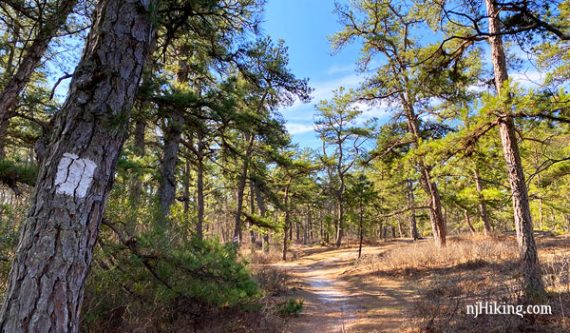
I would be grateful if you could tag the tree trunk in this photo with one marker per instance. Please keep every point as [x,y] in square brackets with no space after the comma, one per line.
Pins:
[287,223]
[167,187]
[339,219]
[135,182]
[360,228]
[436,215]
[252,239]
[482,205]
[46,283]
[430,187]
[200,187]
[31,60]
[139,150]
[3,135]
[468,221]
[533,285]
[262,213]
[412,203]
[241,189]
[186,187]
[309,226]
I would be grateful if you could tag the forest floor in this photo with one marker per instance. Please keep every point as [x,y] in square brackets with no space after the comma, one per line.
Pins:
[402,286]
[341,296]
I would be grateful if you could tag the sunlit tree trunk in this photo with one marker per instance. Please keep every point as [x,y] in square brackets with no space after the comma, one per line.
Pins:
[533,285]
[46,282]
[430,187]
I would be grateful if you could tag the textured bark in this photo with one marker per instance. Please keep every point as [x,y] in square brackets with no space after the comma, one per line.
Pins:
[31,59]
[167,187]
[46,283]
[533,284]
[172,139]
[482,205]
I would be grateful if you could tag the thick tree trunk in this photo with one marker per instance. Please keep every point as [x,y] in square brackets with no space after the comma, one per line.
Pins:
[482,205]
[46,283]
[167,187]
[172,139]
[31,59]
[533,285]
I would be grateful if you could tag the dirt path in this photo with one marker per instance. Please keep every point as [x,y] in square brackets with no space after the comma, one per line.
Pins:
[341,297]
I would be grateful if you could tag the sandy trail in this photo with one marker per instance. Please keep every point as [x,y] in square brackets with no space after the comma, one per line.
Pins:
[340,298]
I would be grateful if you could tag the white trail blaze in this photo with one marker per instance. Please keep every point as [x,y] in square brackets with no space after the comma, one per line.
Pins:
[74,175]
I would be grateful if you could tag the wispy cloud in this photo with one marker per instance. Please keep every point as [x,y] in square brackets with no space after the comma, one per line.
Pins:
[297,128]
[324,90]
[337,69]
[529,79]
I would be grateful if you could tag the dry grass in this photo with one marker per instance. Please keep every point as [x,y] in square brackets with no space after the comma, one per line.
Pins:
[459,254]
[476,269]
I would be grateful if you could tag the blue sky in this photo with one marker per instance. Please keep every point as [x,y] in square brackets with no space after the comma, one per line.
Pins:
[305,25]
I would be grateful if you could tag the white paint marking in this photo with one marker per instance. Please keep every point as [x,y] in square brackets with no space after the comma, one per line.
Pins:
[74,175]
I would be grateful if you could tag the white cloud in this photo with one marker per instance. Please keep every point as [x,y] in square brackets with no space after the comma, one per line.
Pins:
[378,111]
[528,79]
[297,128]
[337,69]
[324,90]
